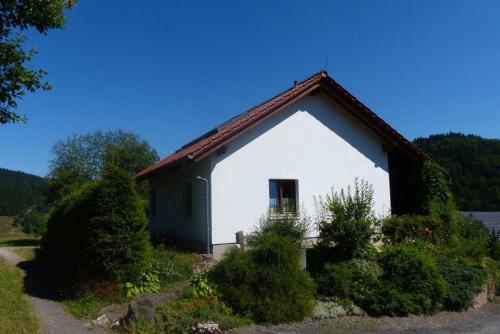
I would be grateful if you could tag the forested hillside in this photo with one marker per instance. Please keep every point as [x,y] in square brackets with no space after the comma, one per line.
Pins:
[474,167]
[18,191]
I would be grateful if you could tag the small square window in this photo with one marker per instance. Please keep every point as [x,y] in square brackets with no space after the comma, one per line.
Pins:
[283,196]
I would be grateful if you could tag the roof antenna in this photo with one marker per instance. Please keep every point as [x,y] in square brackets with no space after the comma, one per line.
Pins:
[325,65]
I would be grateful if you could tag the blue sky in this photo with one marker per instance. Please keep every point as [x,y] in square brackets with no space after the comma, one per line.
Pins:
[170,70]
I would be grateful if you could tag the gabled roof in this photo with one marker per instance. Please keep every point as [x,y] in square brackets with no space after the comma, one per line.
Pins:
[213,140]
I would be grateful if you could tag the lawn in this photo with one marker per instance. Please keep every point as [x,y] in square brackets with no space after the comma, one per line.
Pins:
[11,236]
[26,253]
[14,240]
[87,306]
[16,315]
[6,224]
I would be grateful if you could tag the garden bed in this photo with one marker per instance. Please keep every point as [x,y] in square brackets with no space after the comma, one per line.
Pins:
[484,319]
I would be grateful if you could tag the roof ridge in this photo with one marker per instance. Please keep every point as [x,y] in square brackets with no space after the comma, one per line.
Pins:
[223,133]
[322,73]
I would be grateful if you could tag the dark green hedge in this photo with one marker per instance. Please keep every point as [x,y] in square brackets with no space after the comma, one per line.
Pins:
[266,282]
[97,233]
[354,280]
[463,280]
[410,284]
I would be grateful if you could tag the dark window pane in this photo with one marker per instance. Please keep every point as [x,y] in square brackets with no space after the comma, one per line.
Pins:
[289,198]
[274,189]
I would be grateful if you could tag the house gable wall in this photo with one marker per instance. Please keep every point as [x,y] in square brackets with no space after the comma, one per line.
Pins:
[313,141]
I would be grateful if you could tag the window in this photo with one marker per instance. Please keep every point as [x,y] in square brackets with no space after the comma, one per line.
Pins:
[188,200]
[283,196]
[152,203]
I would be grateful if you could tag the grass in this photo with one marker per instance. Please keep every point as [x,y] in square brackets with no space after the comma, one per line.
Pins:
[181,315]
[12,236]
[26,253]
[173,266]
[15,240]
[6,224]
[86,307]
[16,315]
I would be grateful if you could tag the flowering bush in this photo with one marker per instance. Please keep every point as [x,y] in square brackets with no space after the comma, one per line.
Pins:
[209,327]
[328,310]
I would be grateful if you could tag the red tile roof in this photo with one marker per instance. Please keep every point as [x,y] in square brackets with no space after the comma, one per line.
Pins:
[221,135]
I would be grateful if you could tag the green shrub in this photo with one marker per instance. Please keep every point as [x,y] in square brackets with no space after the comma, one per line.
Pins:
[434,197]
[410,283]
[497,282]
[388,300]
[180,316]
[354,280]
[471,229]
[347,221]
[201,286]
[172,266]
[474,250]
[119,244]
[471,241]
[462,280]
[492,269]
[98,233]
[408,228]
[63,248]
[149,282]
[265,282]
[288,226]
[317,257]
[493,245]
[33,222]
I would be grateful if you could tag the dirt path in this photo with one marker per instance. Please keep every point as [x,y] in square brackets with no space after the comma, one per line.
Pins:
[53,317]
[485,320]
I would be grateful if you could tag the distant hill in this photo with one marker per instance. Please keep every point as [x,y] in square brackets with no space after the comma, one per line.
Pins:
[474,167]
[18,191]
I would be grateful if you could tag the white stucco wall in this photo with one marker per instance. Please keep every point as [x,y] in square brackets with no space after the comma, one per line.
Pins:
[170,217]
[314,141]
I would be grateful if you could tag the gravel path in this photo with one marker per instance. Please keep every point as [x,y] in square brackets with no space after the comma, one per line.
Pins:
[52,315]
[485,320]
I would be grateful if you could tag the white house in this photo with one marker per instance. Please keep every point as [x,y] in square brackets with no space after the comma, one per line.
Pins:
[276,156]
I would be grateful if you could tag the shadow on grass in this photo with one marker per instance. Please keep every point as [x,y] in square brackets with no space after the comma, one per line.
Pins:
[19,242]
